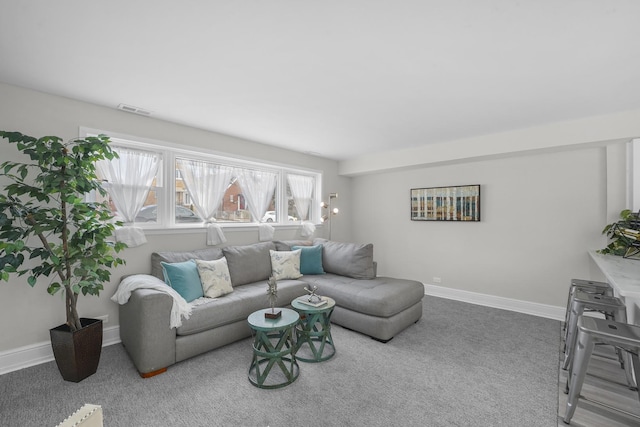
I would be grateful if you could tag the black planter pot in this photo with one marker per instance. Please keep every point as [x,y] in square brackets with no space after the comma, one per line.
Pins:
[77,353]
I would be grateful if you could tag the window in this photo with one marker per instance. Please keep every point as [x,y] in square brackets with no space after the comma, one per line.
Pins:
[208,187]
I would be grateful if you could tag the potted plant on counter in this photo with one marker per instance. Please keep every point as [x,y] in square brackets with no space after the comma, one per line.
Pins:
[624,236]
[48,228]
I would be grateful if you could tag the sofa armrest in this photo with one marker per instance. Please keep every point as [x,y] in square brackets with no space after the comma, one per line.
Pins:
[145,330]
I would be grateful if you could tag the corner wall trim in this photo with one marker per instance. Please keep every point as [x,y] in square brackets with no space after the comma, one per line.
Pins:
[31,355]
[526,307]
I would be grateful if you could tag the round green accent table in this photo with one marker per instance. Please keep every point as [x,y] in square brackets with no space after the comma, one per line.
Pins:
[273,345]
[313,333]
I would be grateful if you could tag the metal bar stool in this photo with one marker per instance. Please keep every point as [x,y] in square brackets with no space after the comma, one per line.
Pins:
[592,331]
[611,307]
[589,287]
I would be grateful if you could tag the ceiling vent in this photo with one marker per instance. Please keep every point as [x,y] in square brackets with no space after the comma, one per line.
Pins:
[135,110]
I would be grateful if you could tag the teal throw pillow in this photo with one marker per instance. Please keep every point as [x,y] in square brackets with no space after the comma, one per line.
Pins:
[184,278]
[310,259]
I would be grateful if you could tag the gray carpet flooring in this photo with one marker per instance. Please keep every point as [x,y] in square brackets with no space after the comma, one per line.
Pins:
[460,365]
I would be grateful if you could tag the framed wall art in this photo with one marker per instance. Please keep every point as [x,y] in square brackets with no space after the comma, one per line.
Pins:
[457,203]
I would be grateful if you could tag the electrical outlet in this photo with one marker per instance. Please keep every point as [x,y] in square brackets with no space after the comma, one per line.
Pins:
[437,280]
[105,318]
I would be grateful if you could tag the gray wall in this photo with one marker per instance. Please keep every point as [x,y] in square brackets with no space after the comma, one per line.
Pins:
[540,214]
[546,194]
[27,314]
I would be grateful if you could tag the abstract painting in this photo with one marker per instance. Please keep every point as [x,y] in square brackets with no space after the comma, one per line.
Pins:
[456,203]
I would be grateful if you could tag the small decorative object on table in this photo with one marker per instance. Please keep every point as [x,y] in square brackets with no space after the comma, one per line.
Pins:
[272,293]
[313,298]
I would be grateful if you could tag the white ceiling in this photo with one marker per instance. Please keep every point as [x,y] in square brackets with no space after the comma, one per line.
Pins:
[339,78]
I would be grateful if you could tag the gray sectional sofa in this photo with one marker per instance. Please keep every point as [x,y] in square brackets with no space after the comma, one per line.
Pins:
[379,307]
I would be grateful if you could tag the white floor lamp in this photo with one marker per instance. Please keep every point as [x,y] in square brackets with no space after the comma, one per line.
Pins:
[331,211]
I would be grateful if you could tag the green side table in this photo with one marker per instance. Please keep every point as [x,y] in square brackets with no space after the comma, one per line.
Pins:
[313,333]
[273,345]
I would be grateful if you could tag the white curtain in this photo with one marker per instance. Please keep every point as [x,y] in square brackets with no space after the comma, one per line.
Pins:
[206,184]
[301,187]
[258,187]
[129,179]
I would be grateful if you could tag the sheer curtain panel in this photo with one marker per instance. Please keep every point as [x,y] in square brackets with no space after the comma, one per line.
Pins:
[258,187]
[128,181]
[206,183]
[301,187]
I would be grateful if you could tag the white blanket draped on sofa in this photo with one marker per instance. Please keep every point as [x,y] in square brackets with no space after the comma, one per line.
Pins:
[179,309]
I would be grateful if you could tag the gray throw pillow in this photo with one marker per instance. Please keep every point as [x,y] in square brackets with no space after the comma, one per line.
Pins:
[347,259]
[286,245]
[250,263]
[208,254]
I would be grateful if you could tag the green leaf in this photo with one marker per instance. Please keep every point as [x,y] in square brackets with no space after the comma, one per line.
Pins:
[42,203]
[54,288]
[19,244]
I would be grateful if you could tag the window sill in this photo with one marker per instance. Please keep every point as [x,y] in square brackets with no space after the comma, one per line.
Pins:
[196,229]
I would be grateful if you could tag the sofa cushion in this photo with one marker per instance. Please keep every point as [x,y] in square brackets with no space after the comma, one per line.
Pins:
[285,264]
[286,245]
[184,278]
[250,263]
[380,297]
[215,277]
[310,259]
[238,305]
[347,259]
[158,257]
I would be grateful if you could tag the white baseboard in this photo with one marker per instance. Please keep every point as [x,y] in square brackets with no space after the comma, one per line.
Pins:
[535,309]
[23,357]
[31,355]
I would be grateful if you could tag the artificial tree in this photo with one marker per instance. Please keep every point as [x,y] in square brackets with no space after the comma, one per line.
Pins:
[47,226]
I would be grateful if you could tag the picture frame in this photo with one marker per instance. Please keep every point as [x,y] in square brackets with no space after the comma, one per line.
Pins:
[459,203]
